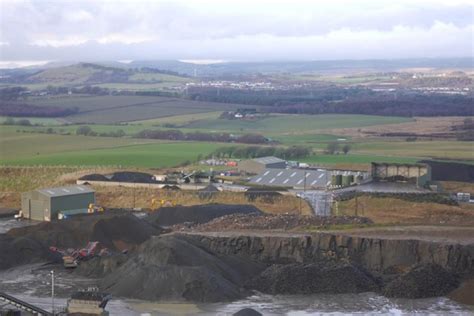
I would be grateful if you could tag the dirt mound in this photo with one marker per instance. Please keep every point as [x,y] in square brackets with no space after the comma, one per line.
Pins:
[18,251]
[171,187]
[94,177]
[136,177]
[266,194]
[428,280]
[258,221]
[321,277]
[113,230]
[167,216]
[247,312]
[172,267]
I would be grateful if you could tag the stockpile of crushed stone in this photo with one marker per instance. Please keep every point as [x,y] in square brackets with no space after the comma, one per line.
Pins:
[20,250]
[173,267]
[94,177]
[168,216]
[320,277]
[112,230]
[130,176]
[425,280]
[260,221]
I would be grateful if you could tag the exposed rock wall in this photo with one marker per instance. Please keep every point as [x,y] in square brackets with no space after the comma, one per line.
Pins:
[376,255]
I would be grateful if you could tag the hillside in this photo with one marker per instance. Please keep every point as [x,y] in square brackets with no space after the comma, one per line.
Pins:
[88,73]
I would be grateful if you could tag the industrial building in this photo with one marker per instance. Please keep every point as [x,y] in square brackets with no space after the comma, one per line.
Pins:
[46,204]
[294,178]
[420,174]
[259,165]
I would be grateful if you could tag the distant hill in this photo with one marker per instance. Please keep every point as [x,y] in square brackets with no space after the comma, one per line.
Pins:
[320,66]
[90,74]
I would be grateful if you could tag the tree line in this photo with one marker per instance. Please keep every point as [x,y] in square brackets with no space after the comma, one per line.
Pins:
[248,152]
[339,100]
[174,134]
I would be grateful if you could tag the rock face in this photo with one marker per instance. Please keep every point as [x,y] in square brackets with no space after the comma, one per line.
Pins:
[428,280]
[174,268]
[375,255]
[321,277]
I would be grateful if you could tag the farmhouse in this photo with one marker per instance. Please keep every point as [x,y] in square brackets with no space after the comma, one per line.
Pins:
[45,204]
[420,174]
[294,178]
[259,165]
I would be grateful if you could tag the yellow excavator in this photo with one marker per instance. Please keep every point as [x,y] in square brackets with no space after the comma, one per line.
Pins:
[156,204]
[94,208]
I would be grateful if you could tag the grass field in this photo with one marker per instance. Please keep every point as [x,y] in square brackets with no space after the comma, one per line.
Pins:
[34,120]
[295,124]
[354,158]
[19,148]
[114,109]
[155,155]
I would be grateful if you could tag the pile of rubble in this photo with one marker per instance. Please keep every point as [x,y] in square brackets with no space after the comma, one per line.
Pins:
[257,221]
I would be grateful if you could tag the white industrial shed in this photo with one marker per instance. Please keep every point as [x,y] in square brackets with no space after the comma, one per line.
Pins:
[295,178]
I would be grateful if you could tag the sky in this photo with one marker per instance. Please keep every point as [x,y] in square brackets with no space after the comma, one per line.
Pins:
[243,30]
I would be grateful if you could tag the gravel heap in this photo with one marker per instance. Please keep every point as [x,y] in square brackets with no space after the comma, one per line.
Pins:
[258,221]
[197,214]
[424,280]
[320,277]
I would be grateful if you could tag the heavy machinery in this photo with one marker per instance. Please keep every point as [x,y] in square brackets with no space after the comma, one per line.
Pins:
[71,256]
[94,208]
[156,204]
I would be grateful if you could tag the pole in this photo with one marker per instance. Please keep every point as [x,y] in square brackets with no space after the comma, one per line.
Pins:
[357,205]
[52,291]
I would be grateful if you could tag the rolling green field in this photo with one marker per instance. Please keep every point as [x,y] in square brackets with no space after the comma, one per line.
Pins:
[156,155]
[295,124]
[113,109]
[33,148]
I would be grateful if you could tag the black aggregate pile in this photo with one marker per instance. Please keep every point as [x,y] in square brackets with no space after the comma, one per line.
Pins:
[135,177]
[320,277]
[173,267]
[198,214]
[247,312]
[20,250]
[266,194]
[94,177]
[108,228]
[426,280]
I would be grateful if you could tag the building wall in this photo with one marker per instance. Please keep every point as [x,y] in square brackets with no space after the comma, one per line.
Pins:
[36,206]
[419,174]
[70,202]
[40,207]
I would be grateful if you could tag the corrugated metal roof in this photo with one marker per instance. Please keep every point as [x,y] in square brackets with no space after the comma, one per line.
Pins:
[269,159]
[66,190]
[292,178]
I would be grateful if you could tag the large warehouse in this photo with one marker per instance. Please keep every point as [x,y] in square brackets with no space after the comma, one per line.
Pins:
[45,204]
[258,165]
[414,173]
[294,178]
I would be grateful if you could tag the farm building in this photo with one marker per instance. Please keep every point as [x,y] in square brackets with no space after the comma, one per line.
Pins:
[258,165]
[45,204]
[294,178]
[414,173]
